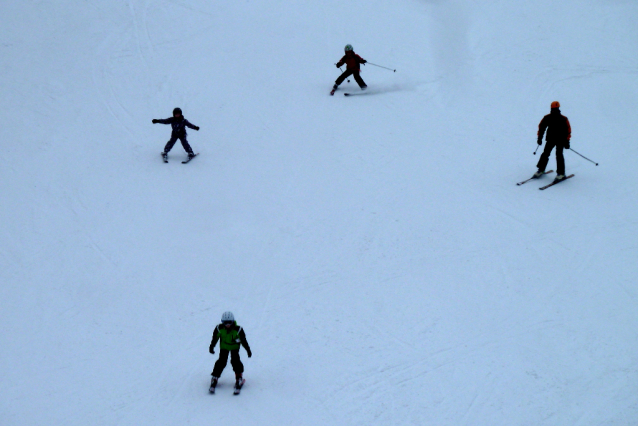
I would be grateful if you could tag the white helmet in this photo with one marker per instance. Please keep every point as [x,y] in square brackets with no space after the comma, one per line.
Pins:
[228,317]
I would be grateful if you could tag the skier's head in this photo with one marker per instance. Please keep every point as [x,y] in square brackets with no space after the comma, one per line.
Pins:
[348,48]
[177,112]
[555,105]
[228,318]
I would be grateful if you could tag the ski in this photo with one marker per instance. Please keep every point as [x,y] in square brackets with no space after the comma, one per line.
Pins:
[237,389]
[190,158]
[555,182]
[164,157]
[527,180]
[363,91]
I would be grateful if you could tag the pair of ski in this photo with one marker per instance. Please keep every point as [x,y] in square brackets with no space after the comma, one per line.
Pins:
[236,388]
[165,158]
[546,186]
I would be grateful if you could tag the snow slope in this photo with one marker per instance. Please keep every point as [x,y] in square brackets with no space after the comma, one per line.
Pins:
[376,249]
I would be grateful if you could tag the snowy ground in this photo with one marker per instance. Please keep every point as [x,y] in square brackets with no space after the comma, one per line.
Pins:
[376,249]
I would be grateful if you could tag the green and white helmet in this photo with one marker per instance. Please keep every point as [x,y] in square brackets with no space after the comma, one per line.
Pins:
[348,48]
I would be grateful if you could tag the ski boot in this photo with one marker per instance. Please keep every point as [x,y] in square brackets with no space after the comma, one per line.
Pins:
[239,382]
[213,385]
[538,174]
[334,89]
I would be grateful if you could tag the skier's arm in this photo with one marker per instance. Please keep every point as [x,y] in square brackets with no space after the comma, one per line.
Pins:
[162,121]
[341,61]
[361,60]
[211,348]
[192,126]
[542,126]
[569,133]
[244,342]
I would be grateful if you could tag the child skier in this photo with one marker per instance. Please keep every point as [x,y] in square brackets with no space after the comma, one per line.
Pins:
[352,61]
[230,337]
[559,132]
[179,124]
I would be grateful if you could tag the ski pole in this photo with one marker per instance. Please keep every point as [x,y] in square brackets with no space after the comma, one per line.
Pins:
[584,156]
[386,68]
[536,149]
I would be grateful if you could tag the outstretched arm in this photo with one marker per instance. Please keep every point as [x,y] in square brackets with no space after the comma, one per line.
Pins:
[192,126]
[162,121]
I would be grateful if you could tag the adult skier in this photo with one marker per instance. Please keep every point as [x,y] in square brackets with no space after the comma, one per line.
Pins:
[230,336]
[352,62]
[179,124]
[559,133]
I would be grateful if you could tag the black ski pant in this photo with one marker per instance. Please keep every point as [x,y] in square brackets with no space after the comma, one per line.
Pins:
[560,160]
[348,73]
[235,361]
[182,139]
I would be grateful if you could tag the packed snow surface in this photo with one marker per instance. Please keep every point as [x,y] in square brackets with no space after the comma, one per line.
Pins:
[385,266]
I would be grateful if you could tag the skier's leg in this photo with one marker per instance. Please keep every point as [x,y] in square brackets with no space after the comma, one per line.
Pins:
[235,361]
[185,144]
[339,80]
[359,80]
[542,162]
[170,143]
[560,161]
[221,363]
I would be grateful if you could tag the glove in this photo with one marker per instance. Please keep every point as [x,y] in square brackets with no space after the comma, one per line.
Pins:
[154,121]
[539,141]
[211,350]
[337,65]
[197,128]
[250,354]
[567,145]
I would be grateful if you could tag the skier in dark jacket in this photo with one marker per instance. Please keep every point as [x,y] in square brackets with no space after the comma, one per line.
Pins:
[230,337]
[352,62]
[179,124]
[559,133]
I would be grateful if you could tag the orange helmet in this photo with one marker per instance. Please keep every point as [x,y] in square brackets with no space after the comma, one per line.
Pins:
[555,104]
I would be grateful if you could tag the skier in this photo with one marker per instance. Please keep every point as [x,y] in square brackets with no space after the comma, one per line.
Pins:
[352,61]
[179,124]
[230,337]
[559,133]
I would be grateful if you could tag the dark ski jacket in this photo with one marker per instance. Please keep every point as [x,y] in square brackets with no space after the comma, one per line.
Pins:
[178,124]
[352,61]
[559,131]
[229,339]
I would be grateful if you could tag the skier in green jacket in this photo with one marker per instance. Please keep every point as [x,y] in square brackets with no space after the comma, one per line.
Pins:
[230,337]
